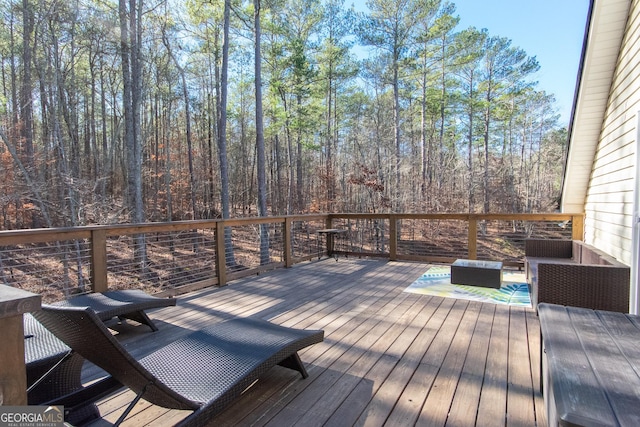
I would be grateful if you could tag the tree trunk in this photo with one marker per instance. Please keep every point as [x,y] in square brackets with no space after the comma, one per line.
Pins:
[26,103]
[260,152]
[471,194]
[105,167]
[424,152]
[187,113]
[396,129]
[330,181]
[131,78]
[299,172]
[487,123]
[222,135]
[167,164]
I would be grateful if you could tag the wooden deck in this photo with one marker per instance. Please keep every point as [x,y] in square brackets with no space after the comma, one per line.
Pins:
[389,357]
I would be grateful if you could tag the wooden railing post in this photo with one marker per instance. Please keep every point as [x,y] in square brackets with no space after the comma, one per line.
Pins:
[577,227]
[99,260]
[393,237]
[221,255]
[328,222]
[288,250]
[473,238]
[13,373]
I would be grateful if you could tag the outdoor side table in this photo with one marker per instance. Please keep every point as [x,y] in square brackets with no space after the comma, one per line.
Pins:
[330,234]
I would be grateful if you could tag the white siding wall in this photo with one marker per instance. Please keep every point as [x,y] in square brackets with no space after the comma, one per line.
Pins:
[610,195]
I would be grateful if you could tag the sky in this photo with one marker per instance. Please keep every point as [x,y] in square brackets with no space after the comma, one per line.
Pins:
[550,30]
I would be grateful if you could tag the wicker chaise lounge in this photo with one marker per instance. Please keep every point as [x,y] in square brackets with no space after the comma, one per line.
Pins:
[124,304]
[54,370]
[203,371]
[54,375]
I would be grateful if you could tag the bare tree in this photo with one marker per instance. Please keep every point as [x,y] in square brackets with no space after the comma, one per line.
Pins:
[187,118]
[222,133]
[130,39]
[260,151]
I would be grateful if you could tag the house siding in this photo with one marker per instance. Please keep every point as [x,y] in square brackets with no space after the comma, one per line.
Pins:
[605,38]
[609,203]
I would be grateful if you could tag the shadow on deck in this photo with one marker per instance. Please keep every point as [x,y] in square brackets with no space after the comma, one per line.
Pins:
[389,357]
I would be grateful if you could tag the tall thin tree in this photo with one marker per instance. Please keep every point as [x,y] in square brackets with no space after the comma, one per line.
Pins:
[130,39]
[222,133]
[260,150]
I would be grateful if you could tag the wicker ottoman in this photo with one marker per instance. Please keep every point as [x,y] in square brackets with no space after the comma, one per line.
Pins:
[487,274]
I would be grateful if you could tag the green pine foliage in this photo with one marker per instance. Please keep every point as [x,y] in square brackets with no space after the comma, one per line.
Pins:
[394,110]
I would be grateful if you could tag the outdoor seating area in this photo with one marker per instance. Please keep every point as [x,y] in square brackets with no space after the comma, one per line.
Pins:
[573,273]
[489,257]
[377,341]
[387,355]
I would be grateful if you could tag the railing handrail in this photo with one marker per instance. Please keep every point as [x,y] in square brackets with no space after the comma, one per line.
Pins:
[41,235]
[463,216]
[97,235]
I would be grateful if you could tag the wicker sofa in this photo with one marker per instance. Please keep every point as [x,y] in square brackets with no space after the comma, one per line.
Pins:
[573,273]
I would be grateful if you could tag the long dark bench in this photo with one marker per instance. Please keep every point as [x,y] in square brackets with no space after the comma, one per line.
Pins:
[571,272]
[590,366]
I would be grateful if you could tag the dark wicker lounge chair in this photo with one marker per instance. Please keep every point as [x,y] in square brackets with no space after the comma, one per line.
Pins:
[125,304]
[204,371]
[54,375]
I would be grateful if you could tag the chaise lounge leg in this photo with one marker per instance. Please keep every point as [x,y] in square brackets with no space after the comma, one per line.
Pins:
[140,317]
[294,362]
[128,409]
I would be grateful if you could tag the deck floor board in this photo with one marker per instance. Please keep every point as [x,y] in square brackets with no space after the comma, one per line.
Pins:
[448,370]
[389,357]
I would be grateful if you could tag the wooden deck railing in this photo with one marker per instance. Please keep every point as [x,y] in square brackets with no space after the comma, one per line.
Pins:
[177,257]
[446,237]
